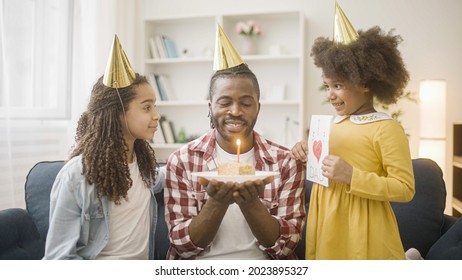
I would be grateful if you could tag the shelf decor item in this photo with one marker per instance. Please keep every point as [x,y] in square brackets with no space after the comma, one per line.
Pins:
[248,45]
[249,31]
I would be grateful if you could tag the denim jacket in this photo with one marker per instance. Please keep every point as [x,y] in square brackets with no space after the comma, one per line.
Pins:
[79,221]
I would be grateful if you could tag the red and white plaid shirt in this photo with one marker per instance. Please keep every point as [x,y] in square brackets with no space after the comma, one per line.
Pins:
[185,197]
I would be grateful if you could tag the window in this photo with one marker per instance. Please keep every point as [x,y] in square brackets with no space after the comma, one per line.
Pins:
[35,59]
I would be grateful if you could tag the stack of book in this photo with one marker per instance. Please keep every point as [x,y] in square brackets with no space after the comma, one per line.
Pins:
[161,46]
[161,86]
[166,133]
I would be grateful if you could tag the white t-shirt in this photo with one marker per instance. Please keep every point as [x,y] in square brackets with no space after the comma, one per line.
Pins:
[234,239]
[129,223]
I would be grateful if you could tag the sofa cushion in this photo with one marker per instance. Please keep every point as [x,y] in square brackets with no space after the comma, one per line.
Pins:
[449,246]
[19,238]
[300,249]
[37,190]
[420,221]
[161,236]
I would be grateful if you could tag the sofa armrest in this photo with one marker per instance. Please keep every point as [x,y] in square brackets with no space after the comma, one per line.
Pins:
[448,222]
[19,237]
[38,186]
[449,246]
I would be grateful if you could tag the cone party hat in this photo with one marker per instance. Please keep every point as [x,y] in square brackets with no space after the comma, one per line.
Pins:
[119,72]
[226,55]
[344,32]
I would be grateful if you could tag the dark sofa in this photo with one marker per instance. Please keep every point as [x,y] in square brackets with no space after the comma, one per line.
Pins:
[422,223]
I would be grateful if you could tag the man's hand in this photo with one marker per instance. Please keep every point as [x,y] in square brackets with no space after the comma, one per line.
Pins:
[250,190]
[220,191]
[230,192]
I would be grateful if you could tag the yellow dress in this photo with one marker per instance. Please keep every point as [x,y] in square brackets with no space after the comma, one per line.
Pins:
[356,221]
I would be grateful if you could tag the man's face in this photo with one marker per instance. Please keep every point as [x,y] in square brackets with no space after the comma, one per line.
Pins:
[234,107]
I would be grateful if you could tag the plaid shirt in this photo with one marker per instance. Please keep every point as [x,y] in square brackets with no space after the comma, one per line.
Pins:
[185,197]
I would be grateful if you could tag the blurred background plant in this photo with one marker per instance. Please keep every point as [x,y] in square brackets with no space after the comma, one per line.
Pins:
[393,109]
[249,28]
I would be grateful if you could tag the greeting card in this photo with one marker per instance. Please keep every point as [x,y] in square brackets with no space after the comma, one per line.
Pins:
[318,148]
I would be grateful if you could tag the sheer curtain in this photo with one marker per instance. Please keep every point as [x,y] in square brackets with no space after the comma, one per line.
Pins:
[51,53]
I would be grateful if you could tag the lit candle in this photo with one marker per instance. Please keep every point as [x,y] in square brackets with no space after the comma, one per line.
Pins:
[238,143]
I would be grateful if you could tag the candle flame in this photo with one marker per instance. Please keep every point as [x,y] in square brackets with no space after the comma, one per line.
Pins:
[238,143]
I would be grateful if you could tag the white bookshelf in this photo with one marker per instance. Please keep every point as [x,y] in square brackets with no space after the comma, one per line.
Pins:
[280,120]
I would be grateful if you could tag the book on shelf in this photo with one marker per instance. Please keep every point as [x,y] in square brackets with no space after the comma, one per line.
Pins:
[165,88]
[153,49]
[159,136]
[165,81]
[167,129]
[152,81]
[170,46]
[160,87]
[161,46]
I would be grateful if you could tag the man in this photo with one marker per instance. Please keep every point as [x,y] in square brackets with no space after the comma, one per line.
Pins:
[260,219]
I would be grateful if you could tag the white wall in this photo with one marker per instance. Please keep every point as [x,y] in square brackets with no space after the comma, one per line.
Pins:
[431,30]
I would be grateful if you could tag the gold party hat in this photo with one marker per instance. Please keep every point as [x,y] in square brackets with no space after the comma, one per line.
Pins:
[226,55]
[119,72]
[344,32]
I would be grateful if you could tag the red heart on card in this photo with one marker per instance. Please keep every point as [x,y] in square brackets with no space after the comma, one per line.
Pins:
[317,148]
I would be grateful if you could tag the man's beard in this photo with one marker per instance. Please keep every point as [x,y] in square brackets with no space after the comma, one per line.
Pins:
[248,130]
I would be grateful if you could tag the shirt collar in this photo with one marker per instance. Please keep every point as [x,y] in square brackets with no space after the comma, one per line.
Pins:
[363,119]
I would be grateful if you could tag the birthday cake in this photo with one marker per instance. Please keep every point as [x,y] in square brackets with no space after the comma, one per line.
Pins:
[234,168]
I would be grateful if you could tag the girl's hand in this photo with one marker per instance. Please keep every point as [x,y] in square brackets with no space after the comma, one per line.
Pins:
[335,168]
[300,151]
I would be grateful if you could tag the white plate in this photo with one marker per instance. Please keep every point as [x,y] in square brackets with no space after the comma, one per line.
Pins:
[209,175]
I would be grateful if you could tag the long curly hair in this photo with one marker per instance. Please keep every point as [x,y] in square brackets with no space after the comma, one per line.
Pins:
[100,141]
[372,60]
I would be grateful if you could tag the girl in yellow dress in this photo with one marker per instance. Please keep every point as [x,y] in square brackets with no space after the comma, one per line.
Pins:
[369,162]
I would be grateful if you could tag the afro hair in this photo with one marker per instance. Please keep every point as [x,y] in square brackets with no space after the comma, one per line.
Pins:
[372,60]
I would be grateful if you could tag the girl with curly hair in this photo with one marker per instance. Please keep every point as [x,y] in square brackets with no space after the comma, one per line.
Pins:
[102,201]
[369,162]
